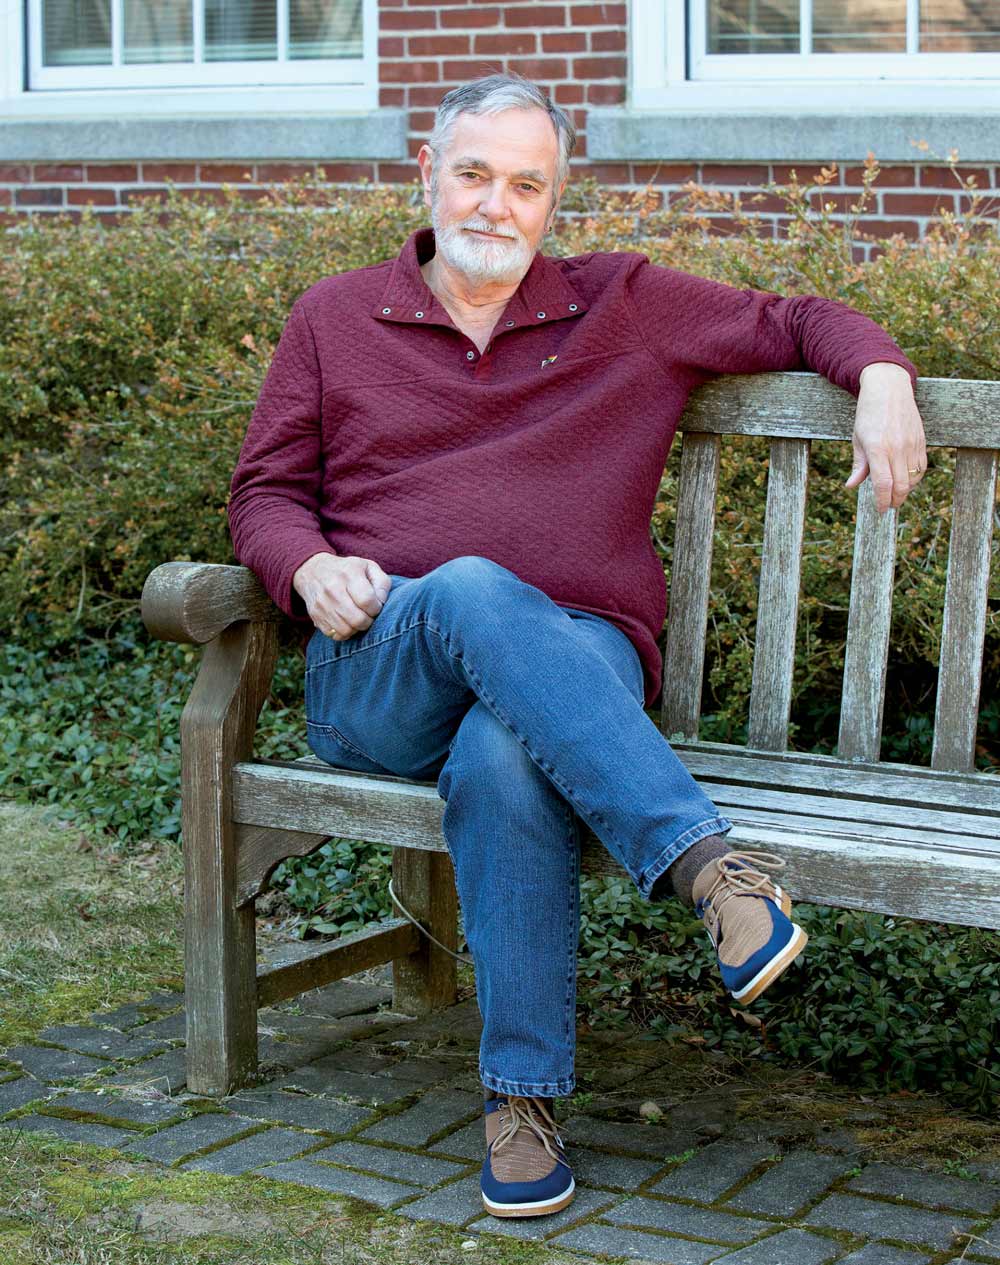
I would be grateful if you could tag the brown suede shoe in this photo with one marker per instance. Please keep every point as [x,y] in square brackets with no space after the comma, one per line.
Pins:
[525,1173]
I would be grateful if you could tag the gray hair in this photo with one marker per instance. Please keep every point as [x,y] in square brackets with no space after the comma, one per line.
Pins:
[506,91]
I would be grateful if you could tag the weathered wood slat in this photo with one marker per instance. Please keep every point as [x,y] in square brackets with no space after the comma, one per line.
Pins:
[778,595]
[961,666]
[690,578]
[892,783]
[867,651]
[866,874]
[194,601]
[259,849]
[217,728]
[338,802]
[426,978]
[956,412]
[320,964]
[834,810]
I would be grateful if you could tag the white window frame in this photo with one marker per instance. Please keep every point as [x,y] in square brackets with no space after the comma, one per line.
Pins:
[29,90]
[664,43]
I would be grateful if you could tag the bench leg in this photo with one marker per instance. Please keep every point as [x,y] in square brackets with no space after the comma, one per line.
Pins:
[425,883]
[220,973]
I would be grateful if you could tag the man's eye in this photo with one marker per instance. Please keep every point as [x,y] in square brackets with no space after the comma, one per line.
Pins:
[473,174]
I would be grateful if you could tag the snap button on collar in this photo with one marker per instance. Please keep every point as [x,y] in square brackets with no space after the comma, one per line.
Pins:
[540,315]
[386,311]
[509,324]
[418,313]
[470,355]
[573,307]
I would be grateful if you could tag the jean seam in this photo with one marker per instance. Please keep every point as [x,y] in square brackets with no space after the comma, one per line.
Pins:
[494,708]
[711,826]
[371,645]
[335,732]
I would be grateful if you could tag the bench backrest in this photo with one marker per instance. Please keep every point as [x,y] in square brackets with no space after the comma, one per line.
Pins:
[794,409]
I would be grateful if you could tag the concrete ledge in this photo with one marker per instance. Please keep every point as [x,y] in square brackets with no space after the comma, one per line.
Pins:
[616,134]
[366,134]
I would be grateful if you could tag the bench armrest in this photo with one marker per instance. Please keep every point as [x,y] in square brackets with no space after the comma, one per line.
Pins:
[195,601]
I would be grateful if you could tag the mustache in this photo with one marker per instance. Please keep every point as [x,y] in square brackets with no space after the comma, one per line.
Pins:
[481,227]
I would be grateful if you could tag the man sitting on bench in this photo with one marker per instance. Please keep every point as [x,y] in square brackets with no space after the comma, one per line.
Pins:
[448,479]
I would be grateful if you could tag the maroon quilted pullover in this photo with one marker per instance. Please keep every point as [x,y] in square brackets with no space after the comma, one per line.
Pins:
[381,432]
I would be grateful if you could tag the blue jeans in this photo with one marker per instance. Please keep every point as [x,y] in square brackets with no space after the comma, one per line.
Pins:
[530,717]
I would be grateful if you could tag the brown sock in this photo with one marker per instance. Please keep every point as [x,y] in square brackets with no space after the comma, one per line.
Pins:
[678,878]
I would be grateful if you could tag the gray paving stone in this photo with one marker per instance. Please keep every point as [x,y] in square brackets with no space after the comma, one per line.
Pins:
[788,1247]
[876,1219]
[415,1126]
[713,1170]
[167,1027]
[340,1181]
[69,1130]
[253,1152]
[699,1223]
[454,1204]
[636,1245]
[462,1024]
[640,1139]
[419,1170]
[343,997]
[122,1017]
[102,1043]
[883,1254]
[797,1179]
[321,1078]
[934,1190]
[585,1204]
[131,1111]
[361,1060]
[184,1139]
[594,1168]
[46,1064]
[166,1072]
[17,1093]
[425,1071]
[469,1142]
[319,1114]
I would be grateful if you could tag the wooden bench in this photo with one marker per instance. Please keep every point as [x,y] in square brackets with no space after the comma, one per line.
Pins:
[893,838]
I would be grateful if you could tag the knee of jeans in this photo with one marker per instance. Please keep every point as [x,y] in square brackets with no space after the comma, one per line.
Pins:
[485,756]
[469,573]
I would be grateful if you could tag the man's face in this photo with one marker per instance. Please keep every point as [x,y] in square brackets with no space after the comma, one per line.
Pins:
[492,192]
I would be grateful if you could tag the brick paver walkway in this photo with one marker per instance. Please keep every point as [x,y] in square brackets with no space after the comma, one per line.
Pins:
[360,1101]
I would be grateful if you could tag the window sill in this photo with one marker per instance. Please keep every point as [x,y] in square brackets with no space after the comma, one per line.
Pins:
[340,134]
[792,136]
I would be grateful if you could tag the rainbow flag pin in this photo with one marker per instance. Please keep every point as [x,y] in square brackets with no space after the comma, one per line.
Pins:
[548,360]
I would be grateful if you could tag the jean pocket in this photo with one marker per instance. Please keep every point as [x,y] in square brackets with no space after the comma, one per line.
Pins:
[330,745]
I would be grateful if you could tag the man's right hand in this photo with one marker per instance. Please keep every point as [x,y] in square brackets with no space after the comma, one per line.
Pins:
[342,595]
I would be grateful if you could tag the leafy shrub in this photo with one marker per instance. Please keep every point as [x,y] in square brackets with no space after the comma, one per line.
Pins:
[130,360]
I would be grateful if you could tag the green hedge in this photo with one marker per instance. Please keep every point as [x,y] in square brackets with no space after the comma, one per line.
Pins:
[131,358]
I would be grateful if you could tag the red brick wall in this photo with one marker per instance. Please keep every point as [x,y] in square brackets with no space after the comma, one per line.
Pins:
[577,51]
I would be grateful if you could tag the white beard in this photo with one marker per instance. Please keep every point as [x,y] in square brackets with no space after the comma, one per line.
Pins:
[506,259]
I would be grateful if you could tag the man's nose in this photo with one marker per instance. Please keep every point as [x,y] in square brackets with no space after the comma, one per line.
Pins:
[494,201]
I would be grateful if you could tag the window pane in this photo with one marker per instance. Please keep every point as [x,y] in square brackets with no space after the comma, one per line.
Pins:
[877,26]
[241,30]
[960,26]
[324,28]
[158,31]
[76,33]
[750,26]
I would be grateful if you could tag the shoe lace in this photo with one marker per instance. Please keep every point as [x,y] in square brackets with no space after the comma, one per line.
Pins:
[523,1112]
[749,879]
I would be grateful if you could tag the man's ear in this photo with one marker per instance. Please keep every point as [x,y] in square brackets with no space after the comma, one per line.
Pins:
[425,161]
[550,223]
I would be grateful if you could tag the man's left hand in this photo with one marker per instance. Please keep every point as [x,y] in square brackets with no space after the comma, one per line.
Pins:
[888,435]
